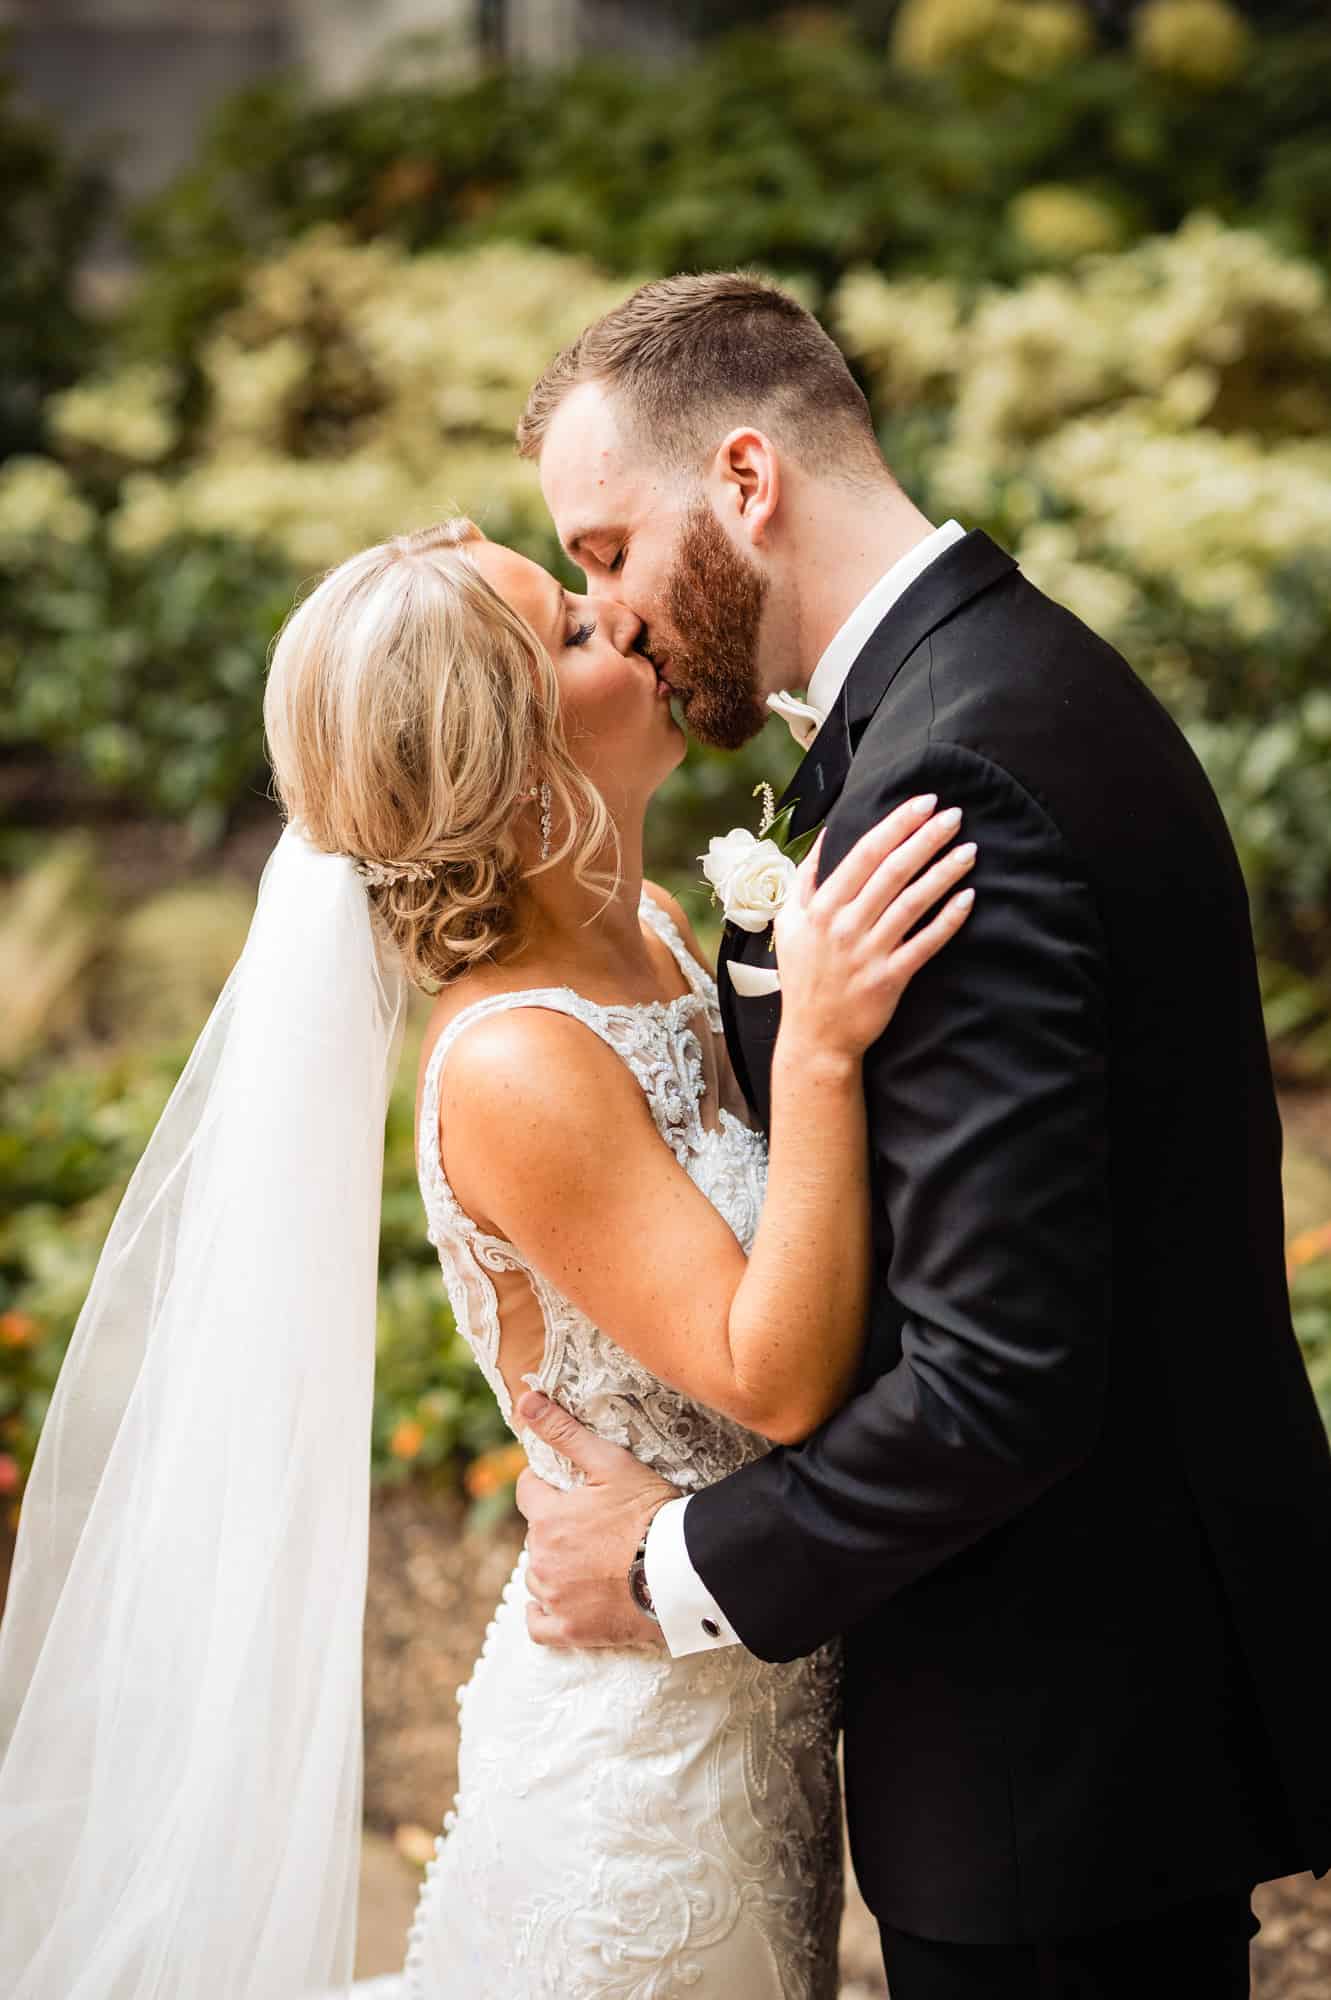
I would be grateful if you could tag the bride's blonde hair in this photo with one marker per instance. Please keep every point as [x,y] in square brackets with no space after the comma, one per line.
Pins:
[410,712]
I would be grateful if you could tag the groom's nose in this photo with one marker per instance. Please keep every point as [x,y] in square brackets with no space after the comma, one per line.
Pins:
[626,626]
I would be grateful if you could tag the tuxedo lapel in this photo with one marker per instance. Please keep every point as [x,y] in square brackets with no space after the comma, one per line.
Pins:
[958,575]
[731,938]
[953,579]
[750,1021]
[821,775]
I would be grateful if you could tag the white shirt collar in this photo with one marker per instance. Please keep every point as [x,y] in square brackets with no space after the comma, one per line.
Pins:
[833,669]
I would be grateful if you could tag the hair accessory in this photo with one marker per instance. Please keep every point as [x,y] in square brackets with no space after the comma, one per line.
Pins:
[379,873]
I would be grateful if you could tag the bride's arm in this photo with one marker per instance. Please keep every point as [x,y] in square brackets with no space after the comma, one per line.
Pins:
[547,1138]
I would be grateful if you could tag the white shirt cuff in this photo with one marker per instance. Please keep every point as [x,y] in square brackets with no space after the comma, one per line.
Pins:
[691,1619]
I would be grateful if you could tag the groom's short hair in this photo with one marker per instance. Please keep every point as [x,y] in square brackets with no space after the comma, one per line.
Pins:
[691,356]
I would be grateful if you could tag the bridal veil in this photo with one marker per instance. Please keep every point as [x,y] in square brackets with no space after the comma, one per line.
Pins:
[180,1661]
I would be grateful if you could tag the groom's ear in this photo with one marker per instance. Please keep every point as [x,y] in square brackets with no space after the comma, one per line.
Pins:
[747,473]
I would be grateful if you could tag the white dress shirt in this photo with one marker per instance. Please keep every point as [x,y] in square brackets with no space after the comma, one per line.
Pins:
[691,1619]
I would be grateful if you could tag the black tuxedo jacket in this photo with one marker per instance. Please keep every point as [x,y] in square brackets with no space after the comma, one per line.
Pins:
[1076,1521]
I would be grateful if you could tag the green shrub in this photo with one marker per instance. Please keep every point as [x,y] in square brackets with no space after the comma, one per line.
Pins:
[51,929]
[145,672]
[351,392]
[68,1144]
[1147,432]
[805,153]
[51,210]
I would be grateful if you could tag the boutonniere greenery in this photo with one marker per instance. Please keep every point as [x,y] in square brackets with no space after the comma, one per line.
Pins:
[775,826]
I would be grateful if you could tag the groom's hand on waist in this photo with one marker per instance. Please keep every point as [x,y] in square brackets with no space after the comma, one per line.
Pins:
[581,1544]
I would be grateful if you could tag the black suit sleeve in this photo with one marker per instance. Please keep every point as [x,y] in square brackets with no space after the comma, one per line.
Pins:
[988,1124]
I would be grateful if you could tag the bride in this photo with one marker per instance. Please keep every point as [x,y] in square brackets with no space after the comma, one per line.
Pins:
[465,753]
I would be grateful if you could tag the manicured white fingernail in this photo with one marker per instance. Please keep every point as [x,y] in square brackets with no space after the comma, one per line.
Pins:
[965,899]
[925,804]
[952,817]
[967,852]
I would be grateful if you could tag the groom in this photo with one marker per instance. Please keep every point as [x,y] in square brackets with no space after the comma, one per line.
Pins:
[1074,1522]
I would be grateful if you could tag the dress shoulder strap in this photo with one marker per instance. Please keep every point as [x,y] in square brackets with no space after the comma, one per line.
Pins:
[556,999]
[700,979]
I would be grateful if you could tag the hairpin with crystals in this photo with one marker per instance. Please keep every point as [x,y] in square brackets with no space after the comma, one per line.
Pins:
[380,873]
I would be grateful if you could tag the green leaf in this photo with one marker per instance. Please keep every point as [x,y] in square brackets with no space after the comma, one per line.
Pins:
[780,826]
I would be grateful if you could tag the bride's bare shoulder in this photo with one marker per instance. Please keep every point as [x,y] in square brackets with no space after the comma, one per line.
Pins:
[529,1098]
[525,1050]
[520,1043]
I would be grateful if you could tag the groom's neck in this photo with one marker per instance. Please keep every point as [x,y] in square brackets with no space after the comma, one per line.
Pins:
[843,540]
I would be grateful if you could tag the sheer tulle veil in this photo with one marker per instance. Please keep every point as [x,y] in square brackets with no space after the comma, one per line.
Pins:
[180,1660]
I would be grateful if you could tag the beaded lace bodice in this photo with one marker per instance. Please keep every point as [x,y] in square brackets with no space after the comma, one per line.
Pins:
[581,1366]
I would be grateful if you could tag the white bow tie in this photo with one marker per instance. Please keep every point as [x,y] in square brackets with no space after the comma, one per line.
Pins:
[800,717]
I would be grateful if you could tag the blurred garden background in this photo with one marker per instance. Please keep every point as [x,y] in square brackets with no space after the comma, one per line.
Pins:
[275,276]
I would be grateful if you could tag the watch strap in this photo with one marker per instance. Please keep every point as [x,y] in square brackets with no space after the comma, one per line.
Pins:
[639,1590]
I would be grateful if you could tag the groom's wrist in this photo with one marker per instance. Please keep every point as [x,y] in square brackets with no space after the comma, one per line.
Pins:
[690,1618]
[639,1588]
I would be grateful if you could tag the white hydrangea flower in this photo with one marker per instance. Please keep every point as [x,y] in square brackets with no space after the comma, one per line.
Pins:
[1205,42]
[1135,397]
[423,364]
[38,499]
[128,414]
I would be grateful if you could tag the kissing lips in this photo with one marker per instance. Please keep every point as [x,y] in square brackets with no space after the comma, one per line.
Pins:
[665,686]
[669,686]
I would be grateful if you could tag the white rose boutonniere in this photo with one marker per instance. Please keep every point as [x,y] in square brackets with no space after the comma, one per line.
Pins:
[750,877]
[751,873]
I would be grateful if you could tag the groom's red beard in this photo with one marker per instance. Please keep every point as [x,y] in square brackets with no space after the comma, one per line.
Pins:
[709,650]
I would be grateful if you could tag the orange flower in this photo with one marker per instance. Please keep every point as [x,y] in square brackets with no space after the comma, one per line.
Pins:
[494,1470]
[1308,1247]
[10,1476]
[17,1329]
[407,1438]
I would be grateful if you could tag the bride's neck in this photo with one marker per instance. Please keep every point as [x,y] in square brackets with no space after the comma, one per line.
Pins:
[567,923]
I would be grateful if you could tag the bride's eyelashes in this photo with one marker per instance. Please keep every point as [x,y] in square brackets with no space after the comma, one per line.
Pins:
[581,633]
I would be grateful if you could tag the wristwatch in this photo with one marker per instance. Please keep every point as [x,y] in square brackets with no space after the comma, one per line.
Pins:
[638,1589]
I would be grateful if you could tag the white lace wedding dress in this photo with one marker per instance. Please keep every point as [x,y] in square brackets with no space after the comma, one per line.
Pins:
[627,1827]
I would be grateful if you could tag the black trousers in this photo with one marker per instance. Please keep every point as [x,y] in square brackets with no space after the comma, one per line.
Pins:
[1196,1951]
